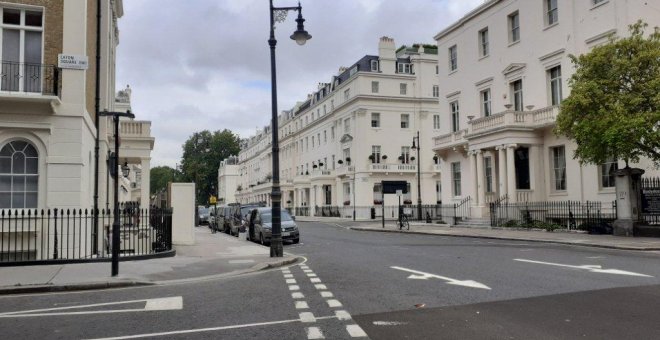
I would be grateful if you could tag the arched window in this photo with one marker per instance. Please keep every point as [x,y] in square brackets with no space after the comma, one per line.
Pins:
[19,175]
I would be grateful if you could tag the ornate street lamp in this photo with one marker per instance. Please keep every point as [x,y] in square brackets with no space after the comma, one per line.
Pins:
[278,14]
[419,177]
[115,224]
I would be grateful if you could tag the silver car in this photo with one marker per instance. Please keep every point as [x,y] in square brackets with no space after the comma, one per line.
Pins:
[261,225]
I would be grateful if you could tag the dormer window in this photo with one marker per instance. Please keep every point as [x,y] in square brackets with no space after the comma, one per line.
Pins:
[353,71]
[374,66]
[404,68]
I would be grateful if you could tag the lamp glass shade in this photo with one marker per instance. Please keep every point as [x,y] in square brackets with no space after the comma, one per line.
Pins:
[301,36]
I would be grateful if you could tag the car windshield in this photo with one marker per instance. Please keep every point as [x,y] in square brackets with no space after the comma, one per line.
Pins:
[203,211]
[266,216]
[245,210]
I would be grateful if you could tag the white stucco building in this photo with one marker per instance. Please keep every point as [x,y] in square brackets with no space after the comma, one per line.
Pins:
[352,133]
[503,70]
[227,180]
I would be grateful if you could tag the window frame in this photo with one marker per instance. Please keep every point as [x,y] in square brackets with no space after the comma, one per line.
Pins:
[454,110]
[517,95]
[453,58]
[456,179]
[403,89]
[558,185]
[27,173]
[514,27]
[551,13]
[405,120]
[555,85]
[485,100]
[608,180]
[375,86]
[484,43]
[436,122]
[375,118]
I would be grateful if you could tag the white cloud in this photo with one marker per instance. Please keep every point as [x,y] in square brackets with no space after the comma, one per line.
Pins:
[205,64]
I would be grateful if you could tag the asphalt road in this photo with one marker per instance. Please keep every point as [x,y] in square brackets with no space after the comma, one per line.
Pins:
[355,282]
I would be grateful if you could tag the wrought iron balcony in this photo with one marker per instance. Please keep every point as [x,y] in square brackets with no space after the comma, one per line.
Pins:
[28,78]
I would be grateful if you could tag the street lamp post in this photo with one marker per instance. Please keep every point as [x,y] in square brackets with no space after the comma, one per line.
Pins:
[278,14]
[419,177]
[115,224]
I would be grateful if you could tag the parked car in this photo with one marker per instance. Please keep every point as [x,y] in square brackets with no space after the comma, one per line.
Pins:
[202,215]
[240,217]
[261,225]
[222,218]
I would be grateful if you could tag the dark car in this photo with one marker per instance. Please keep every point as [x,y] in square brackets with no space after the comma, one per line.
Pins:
[240,217]
[223,218]
[261,226]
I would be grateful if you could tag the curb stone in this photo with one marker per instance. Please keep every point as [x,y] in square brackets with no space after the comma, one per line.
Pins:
[607,246]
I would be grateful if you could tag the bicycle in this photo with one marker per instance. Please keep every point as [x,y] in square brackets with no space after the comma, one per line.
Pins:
[403,222]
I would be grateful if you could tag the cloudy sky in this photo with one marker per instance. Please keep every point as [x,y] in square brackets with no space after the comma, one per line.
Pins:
[205,64]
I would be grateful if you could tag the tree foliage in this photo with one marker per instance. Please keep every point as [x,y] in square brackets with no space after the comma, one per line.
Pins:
[160,176]
[613,111]
[202,154]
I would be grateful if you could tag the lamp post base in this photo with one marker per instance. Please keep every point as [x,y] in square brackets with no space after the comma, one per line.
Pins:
[276,247]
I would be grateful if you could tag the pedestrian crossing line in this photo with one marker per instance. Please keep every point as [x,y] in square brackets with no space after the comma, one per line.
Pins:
[327,294]
[315,280]
[306,317]
[294,287]
[332,303]
[314,333]
[297,295]
[302,305]
[311,275]
[355,331]
[290,281]
[320,287]
[288,276]
[308,271]
[343,315]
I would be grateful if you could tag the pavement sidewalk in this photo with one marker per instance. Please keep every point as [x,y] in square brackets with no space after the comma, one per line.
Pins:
[212,256]
[558,236]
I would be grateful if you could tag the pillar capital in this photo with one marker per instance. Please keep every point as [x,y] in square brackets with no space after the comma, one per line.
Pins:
[512,146]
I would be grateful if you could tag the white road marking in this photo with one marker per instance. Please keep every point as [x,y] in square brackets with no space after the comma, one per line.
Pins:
[291,281]
[591,268]
[333,303]
[311,275]
[170,303]
[307,317]
[211,329]
[307,271]
[417,275]
[389,323]
[355,331]
[314,333]
[595,257]
[301,305]
[320,286]
[315,280]
[240,261]
[288,276]
[297,295]
[327,294]
[294,287]
[342,315]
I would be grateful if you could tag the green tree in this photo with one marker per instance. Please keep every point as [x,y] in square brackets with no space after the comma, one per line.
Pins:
[613,111]
[202,154]
[160,176]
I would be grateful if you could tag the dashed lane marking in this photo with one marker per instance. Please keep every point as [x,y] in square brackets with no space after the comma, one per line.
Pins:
[307,317]
[342,315]
[314,333]
[355,331]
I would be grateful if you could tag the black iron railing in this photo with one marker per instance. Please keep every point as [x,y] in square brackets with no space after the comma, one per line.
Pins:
[67,235]
[434,212]
[29,78]
[572,215]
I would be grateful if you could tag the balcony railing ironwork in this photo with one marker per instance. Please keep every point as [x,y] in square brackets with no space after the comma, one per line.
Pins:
[29,78]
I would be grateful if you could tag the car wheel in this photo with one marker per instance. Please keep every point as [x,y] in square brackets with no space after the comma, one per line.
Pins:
[261,240]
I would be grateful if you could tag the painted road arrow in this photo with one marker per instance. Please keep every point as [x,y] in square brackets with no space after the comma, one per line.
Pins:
[591,268]
[417,275]
[169,303]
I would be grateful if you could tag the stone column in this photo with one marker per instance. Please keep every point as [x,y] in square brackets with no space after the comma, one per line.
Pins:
[511,172]
[501,174]
[145,183]
[473,176]
[481,188]
[628,200]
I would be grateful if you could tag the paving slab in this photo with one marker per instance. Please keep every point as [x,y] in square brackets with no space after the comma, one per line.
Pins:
[214,255]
